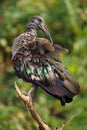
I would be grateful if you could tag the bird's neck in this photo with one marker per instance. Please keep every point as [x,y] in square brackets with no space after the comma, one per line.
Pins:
[31,29]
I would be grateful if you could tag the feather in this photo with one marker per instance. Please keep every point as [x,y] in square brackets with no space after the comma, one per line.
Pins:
[58,90]
[56,54]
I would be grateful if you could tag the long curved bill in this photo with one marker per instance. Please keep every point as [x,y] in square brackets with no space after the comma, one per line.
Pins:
[45,30]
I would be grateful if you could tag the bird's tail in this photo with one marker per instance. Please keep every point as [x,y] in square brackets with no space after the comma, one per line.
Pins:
[59,91]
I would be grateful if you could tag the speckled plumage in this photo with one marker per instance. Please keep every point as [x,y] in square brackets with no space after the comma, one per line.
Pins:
[38,61]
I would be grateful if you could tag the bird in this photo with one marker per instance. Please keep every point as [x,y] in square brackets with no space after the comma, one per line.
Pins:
[38,61]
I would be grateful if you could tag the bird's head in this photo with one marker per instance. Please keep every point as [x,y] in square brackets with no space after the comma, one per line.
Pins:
[39,24]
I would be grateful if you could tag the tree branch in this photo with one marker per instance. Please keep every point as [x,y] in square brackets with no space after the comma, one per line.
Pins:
[27,100]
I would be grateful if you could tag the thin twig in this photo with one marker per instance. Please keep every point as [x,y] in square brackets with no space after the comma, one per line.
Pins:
[66,122]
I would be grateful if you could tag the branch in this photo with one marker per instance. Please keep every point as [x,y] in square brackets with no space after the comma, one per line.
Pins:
[27,100]
[66,122]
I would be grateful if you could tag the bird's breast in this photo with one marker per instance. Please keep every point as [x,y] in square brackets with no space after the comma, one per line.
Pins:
[32,66]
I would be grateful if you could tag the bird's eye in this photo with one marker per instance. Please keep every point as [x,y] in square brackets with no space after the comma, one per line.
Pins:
[39,20]
[32,21]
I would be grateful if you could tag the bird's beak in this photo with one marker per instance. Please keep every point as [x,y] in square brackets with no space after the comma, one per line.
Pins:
[45,30]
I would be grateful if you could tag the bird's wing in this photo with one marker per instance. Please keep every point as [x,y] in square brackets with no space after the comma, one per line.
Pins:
[53,54]
[67,78]
[56,54]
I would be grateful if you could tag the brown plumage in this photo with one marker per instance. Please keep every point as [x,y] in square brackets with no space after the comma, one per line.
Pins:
[38,61]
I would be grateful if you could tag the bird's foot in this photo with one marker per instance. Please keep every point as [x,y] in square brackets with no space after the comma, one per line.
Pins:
[28,94]
[25,93]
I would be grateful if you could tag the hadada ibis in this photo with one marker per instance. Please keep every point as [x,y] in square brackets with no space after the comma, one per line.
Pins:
[38,61]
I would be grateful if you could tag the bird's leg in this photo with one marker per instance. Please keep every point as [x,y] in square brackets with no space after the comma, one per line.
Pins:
[34,94]
[33,88]
[30,90]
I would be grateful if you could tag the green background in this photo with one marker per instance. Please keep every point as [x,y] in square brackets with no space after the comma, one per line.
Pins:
[67,23]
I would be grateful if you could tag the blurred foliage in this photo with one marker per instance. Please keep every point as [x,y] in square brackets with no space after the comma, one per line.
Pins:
[67,23]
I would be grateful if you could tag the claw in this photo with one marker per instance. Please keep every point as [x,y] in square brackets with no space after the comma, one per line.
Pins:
[24,93]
